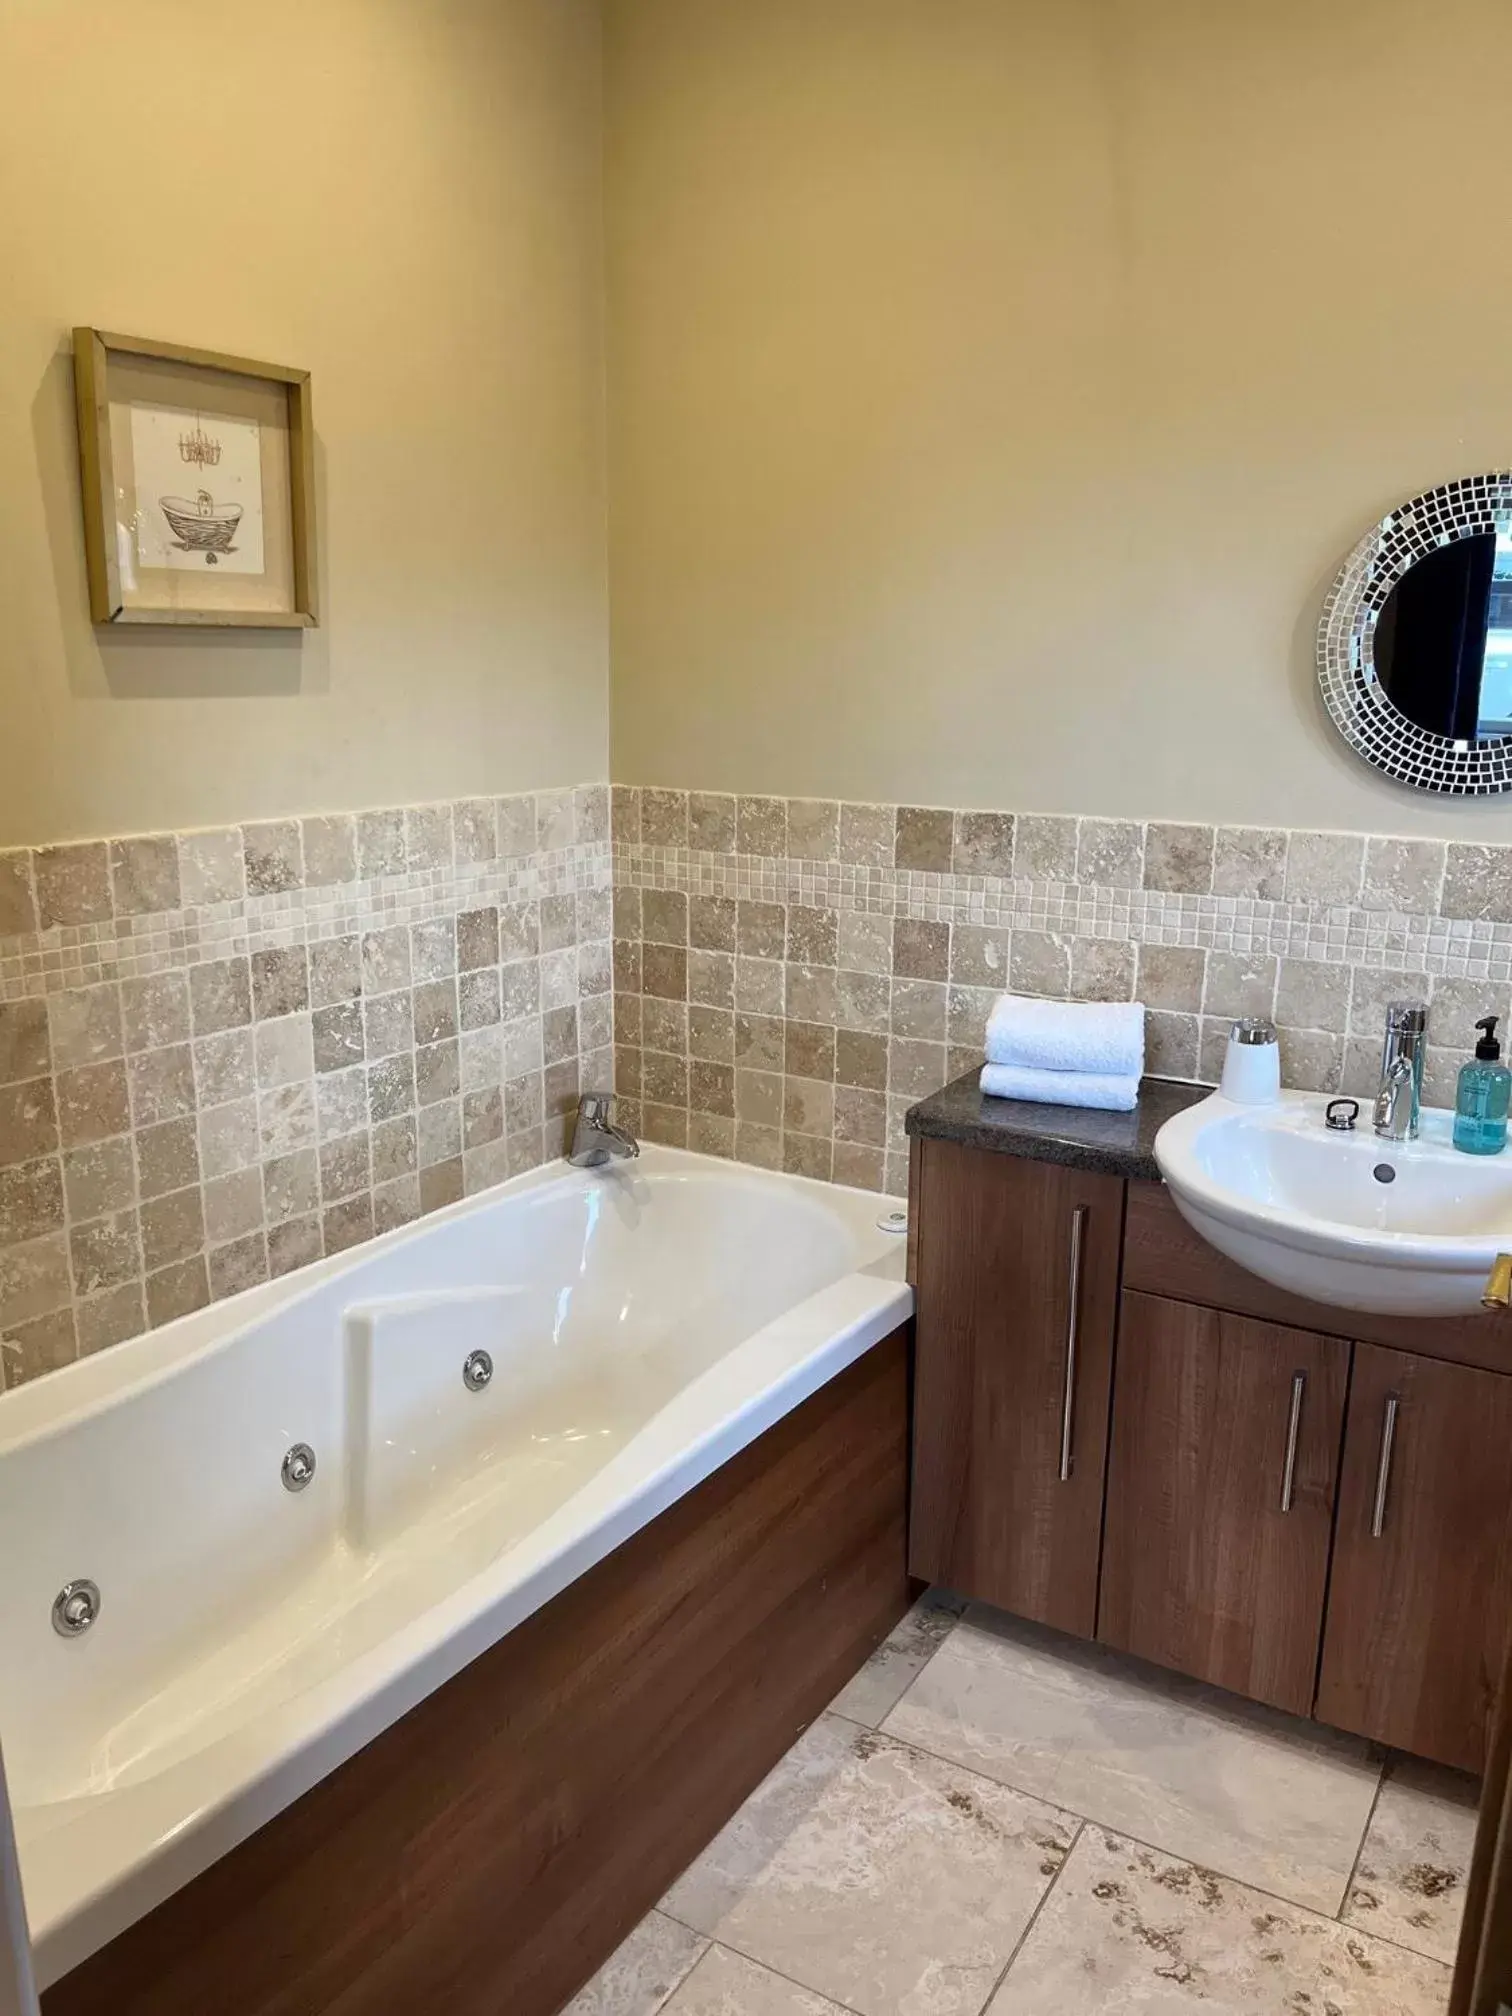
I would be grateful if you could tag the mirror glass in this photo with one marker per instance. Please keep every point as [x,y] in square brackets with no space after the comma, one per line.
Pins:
[1443,640]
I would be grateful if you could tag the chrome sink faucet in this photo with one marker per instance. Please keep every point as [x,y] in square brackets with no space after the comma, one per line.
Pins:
[595,1138]
[1398,1103]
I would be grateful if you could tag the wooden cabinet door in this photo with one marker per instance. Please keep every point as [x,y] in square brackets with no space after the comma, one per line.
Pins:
[1017,1298]
[1221,1481]
[1422,1576]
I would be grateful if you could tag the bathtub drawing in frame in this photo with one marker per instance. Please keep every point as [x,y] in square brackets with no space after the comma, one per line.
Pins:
[198,485]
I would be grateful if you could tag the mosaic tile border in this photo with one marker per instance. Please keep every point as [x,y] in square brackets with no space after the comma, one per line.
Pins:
[227,1053]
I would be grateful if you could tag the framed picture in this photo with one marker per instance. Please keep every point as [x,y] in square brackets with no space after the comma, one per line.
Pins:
[199,490]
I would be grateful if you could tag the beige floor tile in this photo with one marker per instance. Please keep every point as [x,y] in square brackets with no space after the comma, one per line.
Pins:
[712,1886]
[1197,1773]
[1127,1932]
[1410,1883]
[637,1979]
[727,1984]
[891,1882]
[899,1659]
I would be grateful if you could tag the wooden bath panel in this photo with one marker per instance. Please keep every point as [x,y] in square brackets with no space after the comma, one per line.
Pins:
[491,1849]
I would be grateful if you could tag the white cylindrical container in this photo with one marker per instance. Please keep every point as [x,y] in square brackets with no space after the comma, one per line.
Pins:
[1252,1063]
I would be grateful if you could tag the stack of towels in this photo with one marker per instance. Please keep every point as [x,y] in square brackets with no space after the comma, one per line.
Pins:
[1065,1053]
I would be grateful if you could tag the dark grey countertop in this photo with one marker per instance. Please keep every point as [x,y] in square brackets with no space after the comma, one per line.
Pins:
[1112,1144]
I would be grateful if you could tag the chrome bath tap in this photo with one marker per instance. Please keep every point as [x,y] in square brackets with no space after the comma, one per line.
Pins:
[595,1138]
[1398,1102]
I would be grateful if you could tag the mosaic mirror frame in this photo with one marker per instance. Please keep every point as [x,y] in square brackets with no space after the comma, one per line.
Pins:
[1357,702]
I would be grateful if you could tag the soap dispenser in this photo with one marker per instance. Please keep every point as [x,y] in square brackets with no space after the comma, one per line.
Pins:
[1485,1091]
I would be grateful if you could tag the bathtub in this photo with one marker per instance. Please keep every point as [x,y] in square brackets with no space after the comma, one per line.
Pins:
[642,1324]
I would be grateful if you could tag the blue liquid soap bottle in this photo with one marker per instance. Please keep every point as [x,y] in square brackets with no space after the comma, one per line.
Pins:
[1483,1096]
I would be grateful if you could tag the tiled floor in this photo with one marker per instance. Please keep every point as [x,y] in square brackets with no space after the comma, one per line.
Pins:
[992,1818]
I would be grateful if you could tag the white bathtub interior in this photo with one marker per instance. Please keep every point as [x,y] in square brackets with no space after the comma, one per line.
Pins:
[642,1324]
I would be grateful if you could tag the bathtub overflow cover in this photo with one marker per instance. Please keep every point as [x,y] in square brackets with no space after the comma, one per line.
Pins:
[298,1467]
[477,1370]
[75,1608]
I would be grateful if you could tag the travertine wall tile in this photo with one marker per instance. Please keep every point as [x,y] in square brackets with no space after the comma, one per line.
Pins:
[144,875]
[18,910]
[345,1020]
[1478,882]
[428,836]
[212,868]
[1179,858]
[1405,875]
[813,829]
[1110,853]
[1102,969]
[1171,976]
[664,818]
[475,824]
[380,844]
[925,839]
[273,855]
[330,849]
[1324,867]
[1250,861]
[868,834]
[225,1053]
[1044,848]
[983,843]
[516,827]
[897,943]
[760,826]
[1240,984]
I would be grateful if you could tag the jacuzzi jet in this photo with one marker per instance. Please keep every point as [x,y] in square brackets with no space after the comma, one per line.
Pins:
[477,1370]
[75,1608]
[298,1467]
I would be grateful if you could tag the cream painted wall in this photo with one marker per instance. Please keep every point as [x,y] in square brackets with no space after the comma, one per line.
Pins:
[995,385]
[406,199]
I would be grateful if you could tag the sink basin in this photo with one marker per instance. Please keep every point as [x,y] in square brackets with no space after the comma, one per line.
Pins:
[1402,1229]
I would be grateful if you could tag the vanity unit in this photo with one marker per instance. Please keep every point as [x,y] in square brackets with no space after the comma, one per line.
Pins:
[1122,1434]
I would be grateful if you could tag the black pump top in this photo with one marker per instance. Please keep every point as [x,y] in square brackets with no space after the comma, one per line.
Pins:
[1488,1049]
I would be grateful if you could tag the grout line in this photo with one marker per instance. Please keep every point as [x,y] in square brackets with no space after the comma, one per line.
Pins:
[1275,1896]
[664,1910]
[805,1987]
[934,1654]
[1244,1883]
[1109,1827]
[1082,1823]
[1354,1867]
[1034,1915]
[688,1973]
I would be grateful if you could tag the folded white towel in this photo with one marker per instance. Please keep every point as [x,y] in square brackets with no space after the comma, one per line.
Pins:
[1106,1037]
[1100,1089]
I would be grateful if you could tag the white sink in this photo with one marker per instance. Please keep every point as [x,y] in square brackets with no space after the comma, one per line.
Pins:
[1403,1229]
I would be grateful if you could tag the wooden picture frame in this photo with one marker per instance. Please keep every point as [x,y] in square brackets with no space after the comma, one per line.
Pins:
[147,555]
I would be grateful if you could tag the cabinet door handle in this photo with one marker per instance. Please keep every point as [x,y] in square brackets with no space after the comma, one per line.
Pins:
[1073,1330]
[1383,1469]
[1293,1428]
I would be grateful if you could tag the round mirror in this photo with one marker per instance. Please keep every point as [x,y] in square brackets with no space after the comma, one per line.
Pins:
[1415,646]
